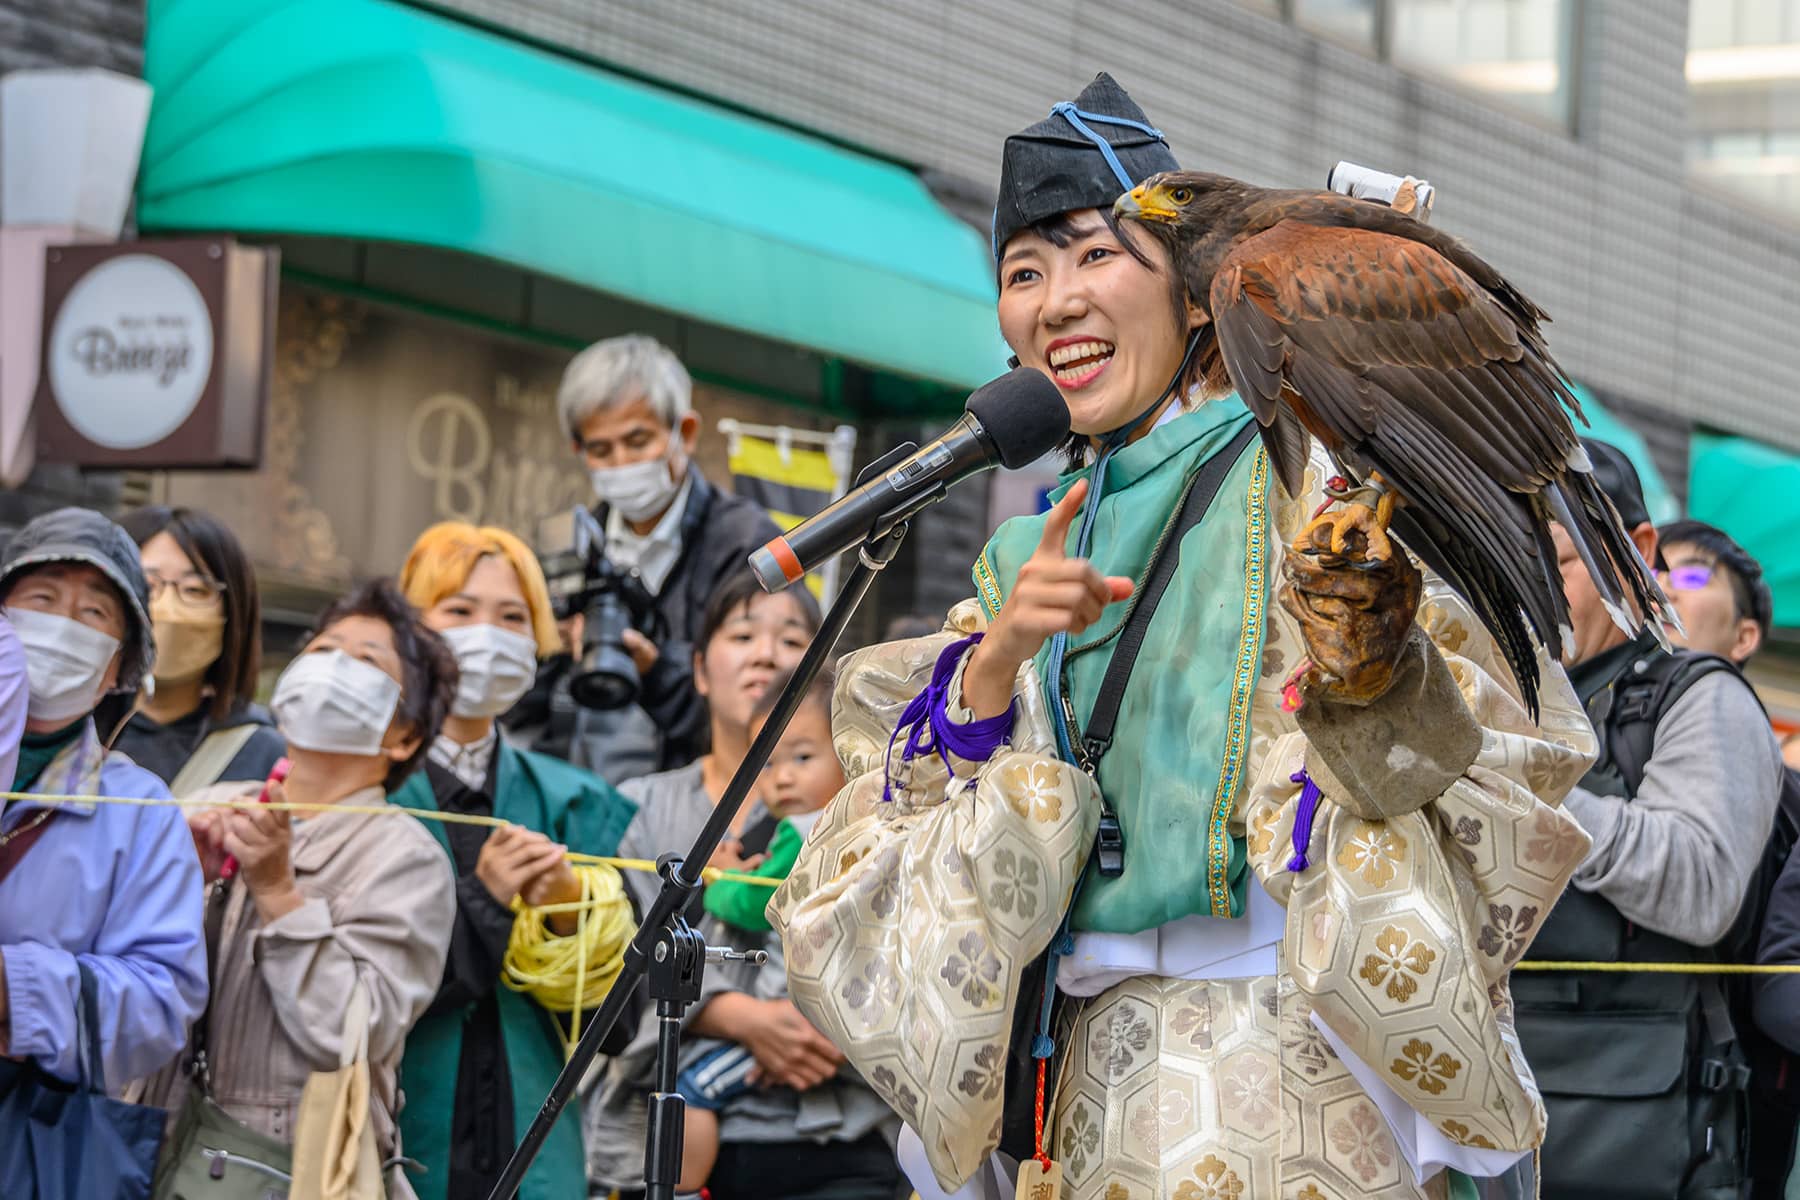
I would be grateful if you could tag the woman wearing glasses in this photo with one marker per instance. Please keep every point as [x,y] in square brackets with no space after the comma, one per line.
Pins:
[198,726]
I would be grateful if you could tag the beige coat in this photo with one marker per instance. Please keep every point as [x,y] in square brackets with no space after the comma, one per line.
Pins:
[379,906]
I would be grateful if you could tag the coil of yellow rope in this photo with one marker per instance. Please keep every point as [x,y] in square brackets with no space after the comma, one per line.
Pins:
[570,974]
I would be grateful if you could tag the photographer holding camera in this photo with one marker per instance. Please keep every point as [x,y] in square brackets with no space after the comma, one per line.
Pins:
[666,538]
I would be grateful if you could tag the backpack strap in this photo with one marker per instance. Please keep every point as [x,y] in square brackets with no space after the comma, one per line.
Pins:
[1641,700]
[1097,737]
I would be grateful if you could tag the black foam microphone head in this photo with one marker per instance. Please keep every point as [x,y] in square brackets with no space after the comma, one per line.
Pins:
[1024,413]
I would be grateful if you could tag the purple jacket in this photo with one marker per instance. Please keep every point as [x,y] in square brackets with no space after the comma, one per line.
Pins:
[15,691]
[116,887]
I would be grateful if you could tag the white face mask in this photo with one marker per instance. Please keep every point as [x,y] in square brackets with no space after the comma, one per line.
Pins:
[497,666]
[334,704]
[638,490]
[65,660]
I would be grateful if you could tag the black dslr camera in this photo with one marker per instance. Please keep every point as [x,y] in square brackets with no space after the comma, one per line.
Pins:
[581,580]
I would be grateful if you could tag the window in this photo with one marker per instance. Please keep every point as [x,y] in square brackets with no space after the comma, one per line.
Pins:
[1515,50]
[1743,70]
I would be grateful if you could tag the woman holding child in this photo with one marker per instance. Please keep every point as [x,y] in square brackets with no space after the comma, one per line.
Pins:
[760,1081]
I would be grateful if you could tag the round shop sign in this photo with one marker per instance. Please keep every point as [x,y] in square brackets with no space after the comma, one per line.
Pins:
[130,351]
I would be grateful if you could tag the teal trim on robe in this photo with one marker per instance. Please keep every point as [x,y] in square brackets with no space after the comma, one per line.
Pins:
[1179,752]
[584,813]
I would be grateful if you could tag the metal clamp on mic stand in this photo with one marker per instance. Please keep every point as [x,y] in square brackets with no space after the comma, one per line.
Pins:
[665,947]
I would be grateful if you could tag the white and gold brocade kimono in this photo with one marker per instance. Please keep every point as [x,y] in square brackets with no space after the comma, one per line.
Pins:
[1352,1049]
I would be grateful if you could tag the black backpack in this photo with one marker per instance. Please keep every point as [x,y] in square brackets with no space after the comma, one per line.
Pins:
[1774,1086]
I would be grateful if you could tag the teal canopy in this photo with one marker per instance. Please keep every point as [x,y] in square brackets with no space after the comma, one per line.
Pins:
[366,119]
[1658,499]
[1748,490]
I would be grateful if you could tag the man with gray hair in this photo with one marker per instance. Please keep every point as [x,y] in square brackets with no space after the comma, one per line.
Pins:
[627,405]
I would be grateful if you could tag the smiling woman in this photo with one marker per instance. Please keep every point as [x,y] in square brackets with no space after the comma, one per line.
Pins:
[1074,288]
[1138,629]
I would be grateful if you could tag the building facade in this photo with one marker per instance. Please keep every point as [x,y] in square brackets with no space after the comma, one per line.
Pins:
[1557,132]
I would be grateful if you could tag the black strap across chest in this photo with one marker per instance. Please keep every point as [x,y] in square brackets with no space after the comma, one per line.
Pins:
[1097,735]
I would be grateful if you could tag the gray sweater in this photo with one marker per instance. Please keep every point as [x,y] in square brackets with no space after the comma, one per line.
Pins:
[672,806]
[1677,857]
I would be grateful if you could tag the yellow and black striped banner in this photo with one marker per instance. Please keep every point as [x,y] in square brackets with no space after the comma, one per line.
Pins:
[792,484]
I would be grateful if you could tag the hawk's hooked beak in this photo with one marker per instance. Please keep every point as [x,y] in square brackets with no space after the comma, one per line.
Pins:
[1146,203]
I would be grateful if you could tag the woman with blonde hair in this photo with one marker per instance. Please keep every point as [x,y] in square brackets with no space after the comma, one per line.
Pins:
[484,1056]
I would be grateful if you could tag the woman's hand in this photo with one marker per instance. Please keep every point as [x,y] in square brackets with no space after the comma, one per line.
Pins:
[261,839]
[789,1052]
[513,857]
[555,884]
[1053,594]
[207,825]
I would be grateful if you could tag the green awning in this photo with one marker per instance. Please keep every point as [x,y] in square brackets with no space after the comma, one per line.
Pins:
[367,119]
[1747,489]
[1607,428]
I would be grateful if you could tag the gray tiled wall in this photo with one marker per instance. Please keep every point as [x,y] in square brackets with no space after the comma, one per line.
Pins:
[1661,293]
[72,33]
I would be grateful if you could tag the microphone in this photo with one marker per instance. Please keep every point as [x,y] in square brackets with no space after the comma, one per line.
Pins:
[1009,421]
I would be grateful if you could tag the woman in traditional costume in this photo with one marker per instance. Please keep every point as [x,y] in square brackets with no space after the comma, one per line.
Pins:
[1283,972]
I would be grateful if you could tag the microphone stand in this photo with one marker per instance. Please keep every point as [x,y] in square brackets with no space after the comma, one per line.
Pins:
[665,946]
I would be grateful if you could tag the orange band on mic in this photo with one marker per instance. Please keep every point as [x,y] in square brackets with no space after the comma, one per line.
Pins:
[785,558]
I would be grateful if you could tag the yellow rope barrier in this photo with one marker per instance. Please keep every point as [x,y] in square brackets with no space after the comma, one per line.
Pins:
[707,874]
[563,974]
[1662,968]
[535,969]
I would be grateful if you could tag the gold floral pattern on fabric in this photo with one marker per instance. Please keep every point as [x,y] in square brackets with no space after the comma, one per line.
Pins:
[1459,1133]
[1416,1062]
[1212,1180]
[1034,789]
[1399,963]
[1263,826]
[1237,1116]
[907,922]
[1374,851]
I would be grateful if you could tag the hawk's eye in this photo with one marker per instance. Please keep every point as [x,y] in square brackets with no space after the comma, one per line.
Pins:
[1182,195]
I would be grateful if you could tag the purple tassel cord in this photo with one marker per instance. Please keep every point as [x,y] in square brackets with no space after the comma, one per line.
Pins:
[929,729]
[1304,812]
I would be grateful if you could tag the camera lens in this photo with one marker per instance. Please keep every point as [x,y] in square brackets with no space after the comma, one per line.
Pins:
[606,676]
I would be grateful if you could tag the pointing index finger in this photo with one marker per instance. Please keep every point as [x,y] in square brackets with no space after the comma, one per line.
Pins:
[1055,540]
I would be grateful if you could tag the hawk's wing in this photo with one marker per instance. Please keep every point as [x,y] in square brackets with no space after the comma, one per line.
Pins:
[1399,362]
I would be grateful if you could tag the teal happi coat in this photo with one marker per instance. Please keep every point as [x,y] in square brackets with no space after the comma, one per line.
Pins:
[1177,760]
[584,813]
